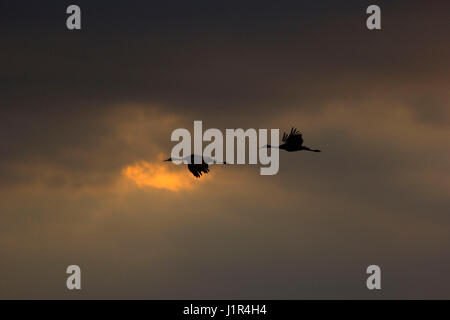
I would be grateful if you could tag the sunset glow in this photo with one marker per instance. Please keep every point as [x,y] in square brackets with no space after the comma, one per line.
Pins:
[146,174]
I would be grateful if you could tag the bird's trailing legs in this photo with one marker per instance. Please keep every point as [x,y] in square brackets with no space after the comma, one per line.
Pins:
[309,149]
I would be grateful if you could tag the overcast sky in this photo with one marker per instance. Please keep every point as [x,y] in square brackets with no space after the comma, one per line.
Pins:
[86,118]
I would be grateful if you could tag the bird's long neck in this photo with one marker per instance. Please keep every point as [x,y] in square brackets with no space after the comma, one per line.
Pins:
[173,159]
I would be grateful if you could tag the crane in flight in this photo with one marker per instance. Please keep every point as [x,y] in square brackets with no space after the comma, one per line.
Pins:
[293,142]
[197,169]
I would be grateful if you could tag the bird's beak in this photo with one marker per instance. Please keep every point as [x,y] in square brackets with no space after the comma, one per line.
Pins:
[167,160]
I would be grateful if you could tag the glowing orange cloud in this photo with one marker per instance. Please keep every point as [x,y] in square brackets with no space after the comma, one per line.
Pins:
[158,175]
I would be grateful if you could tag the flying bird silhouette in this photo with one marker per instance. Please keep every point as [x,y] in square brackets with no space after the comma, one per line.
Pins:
[197,169]
[293,142]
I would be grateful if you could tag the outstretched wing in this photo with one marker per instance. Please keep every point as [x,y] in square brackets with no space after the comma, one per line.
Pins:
[198,169]
[293,138]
